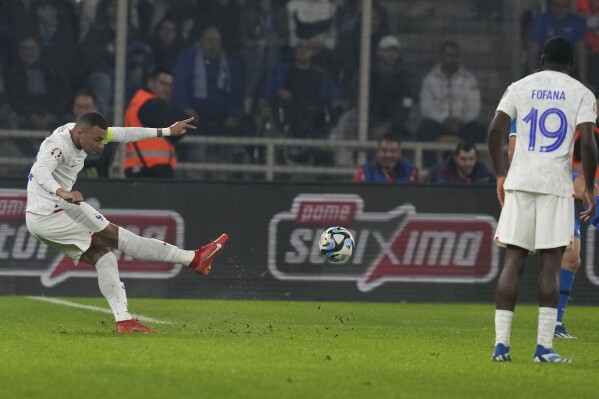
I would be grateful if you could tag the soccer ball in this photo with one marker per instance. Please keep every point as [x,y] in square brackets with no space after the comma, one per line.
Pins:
[336,244]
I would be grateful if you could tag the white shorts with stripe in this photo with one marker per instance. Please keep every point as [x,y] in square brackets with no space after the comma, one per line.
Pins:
[69,230]
[535,221]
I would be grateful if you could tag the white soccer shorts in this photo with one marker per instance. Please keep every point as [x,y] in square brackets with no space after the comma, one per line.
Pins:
[535,221]
[70,230]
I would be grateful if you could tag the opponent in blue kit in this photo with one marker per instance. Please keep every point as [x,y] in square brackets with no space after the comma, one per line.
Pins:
[536,193]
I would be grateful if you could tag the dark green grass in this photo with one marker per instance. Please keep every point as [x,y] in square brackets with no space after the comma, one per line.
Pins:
[256,349]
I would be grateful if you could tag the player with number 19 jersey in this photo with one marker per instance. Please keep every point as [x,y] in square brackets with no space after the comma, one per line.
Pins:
[546,122]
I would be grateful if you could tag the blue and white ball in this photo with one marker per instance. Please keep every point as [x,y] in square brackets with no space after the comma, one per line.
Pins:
[337,244]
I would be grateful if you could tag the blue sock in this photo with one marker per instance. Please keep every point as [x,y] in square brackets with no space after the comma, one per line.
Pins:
[566,279]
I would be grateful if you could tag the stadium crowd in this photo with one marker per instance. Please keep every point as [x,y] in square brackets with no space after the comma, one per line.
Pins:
[258,68]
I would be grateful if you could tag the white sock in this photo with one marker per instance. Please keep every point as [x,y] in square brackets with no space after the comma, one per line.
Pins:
[503,325]
[111,286]
[151,249]
[547,321]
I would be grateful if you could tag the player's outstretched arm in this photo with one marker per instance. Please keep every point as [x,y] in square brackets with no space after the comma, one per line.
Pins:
[180,128]
[130,134]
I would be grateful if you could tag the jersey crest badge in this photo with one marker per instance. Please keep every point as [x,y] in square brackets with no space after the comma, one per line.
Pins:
[56,153]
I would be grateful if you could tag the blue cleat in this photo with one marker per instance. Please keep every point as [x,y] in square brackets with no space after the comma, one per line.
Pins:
[501,354]
[547,355]
[560,331]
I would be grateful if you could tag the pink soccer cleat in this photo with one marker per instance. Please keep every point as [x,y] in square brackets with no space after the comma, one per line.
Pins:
[132,326]
[202,261]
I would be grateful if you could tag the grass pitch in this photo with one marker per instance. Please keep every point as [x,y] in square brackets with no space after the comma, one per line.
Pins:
[259,349]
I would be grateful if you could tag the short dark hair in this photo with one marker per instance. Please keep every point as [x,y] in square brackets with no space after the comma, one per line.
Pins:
[201,28]
[93,118]
[154,73]
[389,137]
[84,93]
[466,146]
[558,50]
[448,43]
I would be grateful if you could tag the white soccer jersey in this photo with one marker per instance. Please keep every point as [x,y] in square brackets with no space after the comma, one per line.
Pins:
[58,162]
[548,106]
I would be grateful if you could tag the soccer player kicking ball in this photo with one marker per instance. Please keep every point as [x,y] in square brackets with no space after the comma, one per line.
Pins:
[536,194]
[62,219]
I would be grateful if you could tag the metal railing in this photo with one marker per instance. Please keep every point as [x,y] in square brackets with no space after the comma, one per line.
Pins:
[270,145]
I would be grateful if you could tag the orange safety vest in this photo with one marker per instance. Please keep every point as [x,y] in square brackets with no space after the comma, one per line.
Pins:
[156,151]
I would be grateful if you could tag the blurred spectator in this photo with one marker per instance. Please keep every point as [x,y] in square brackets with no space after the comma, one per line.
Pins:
[87,16]
[388,167]
[349,16]
[166,43]
[462,167]
[38,87]
[184,13]
[139,65]
[98,54]
[390,93]
[8,120]
[207,83]
[345,129]
[486,9]
[306,100]
[151,106]
[149,13]
[208,86]
[263,32]
[81,101]
[346,64]
[13,18]
[349,20]
[450,100]
[589,9]
[96,165]
[226,16]
[56,33]
[6,113]
[558,21]
[313,21]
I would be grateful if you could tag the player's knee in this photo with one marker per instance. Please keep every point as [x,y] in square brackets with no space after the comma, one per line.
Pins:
[107,237]
[93,254]
[571,261]
[111,231]
[574,264]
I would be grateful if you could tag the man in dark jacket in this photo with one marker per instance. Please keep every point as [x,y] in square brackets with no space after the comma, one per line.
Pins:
[463,167]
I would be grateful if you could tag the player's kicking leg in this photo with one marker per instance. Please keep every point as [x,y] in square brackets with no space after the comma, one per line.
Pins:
[152,250]
[108,235]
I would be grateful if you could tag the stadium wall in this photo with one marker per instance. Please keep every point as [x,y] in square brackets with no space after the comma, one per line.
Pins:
[414,243]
